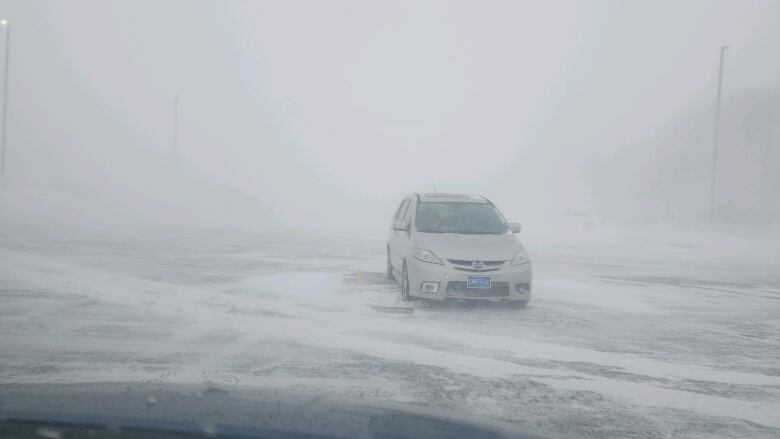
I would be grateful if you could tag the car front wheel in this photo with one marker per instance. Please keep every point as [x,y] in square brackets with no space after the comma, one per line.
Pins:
[519,303]
[390,274]
[405,296]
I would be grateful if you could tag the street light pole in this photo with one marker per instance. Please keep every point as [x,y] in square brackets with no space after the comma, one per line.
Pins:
[176,125]
[7,27]
[717,132]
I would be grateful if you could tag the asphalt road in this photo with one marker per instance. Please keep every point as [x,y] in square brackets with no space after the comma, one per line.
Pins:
[623,338]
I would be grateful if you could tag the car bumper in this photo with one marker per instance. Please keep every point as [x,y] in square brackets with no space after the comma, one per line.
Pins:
[510,283]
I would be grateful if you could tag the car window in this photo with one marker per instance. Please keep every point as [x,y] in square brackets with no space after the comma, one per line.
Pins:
[409,210]
[404,209]
[399,213]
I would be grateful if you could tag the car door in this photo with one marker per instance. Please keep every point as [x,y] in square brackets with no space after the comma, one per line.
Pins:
[394,242]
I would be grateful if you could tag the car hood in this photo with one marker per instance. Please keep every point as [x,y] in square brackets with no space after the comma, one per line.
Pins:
[470,247]
[180,410]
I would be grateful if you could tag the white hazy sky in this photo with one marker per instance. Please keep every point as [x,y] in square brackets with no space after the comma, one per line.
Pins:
[356,103]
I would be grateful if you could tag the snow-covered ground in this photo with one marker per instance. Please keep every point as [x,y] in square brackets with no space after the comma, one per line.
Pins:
[623,338]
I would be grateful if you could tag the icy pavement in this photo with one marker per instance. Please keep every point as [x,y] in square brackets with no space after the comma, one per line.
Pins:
[622,338]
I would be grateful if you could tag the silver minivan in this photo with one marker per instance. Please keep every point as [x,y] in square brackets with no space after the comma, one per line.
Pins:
[456,246]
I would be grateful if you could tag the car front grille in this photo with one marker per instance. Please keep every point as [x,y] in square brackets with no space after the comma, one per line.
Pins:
[458,289]
[465,265]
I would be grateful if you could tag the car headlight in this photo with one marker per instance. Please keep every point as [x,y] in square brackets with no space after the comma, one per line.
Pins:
[521,258]
[426,256]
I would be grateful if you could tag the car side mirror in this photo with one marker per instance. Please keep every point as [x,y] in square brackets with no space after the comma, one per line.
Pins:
[514,227]
[399,225]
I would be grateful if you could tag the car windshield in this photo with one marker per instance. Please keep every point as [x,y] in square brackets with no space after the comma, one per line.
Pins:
[561,214]
[463,218]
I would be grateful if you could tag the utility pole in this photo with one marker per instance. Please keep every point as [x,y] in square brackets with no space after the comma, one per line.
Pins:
[176,125]
[713,175]
[7,27]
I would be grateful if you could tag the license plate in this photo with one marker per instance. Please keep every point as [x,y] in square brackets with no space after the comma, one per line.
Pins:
[478,282]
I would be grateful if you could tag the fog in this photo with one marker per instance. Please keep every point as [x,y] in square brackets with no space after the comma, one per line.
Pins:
[323,115]
[198,193]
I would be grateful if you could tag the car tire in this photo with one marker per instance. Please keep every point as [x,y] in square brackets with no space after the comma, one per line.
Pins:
[518,303]
[405,287]
[390,275]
